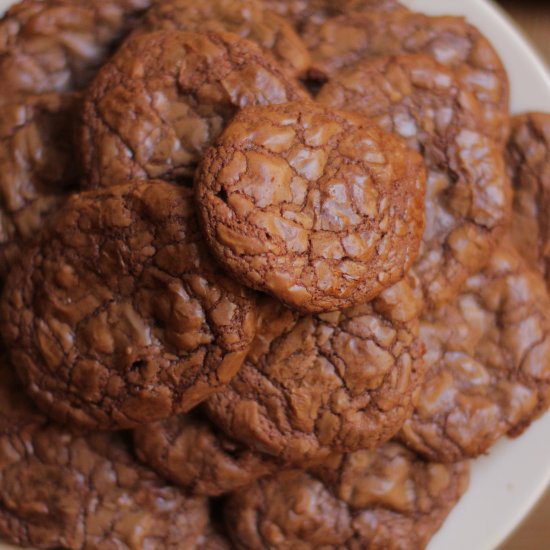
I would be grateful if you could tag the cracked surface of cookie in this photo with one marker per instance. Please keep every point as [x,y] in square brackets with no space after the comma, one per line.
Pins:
[341,42]
[528,159]
[317,207]
[300,11]
[118,316]
[189,451]
[38,166]
[488,362]
[328,383]
[59,44]
[387,499]
[468,193]
[59,489]
[247,18]
[165,96]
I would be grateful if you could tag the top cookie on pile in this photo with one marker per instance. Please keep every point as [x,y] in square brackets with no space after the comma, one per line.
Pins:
[318,207]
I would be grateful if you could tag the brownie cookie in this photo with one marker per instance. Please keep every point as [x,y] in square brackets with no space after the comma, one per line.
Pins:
[164,97]
[468,195]
[247,18]
[117,316]
[59,489]
[37,166]
[387,499]
[190,452]
[317,207]
[57,45]
[528,161]
[340,42]
[488,363]
[329,383]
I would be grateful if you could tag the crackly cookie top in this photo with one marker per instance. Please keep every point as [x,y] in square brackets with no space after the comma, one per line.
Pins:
[117,316]
[59,44]
[340,42]
[488,362]
[301,11]
[386,499]
[318,207]
[248,18]
[468,193]
[165,96]
[188,450]
[38,166]
[528,159]
[59,489]
[333,382]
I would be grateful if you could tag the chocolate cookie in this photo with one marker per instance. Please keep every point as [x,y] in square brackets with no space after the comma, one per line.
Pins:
[329,383]
[317,207]
[59,489]
[190,452]
[247,18]
[57,45]
[468,195]
[529,165]
[488,362]
[164,97]
[38,167]
[386,499]
[117,316]
[340,42]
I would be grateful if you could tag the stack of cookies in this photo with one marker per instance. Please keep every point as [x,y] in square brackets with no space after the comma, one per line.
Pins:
[273,272]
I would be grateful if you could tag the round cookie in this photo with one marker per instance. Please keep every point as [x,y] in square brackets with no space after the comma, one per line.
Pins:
[383,499]
[190,452]
[248,18]
[329,383]
[528,159]
[468,195]
[488,363]
[317,207]
[59,44]
[38,167]
[340,42]
[59,489]
[117,316]
[164,97]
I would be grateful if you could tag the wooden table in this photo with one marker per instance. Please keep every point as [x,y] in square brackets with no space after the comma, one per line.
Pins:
[534,18]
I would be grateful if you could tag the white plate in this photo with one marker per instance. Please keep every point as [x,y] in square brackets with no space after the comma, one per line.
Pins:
[506,484]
